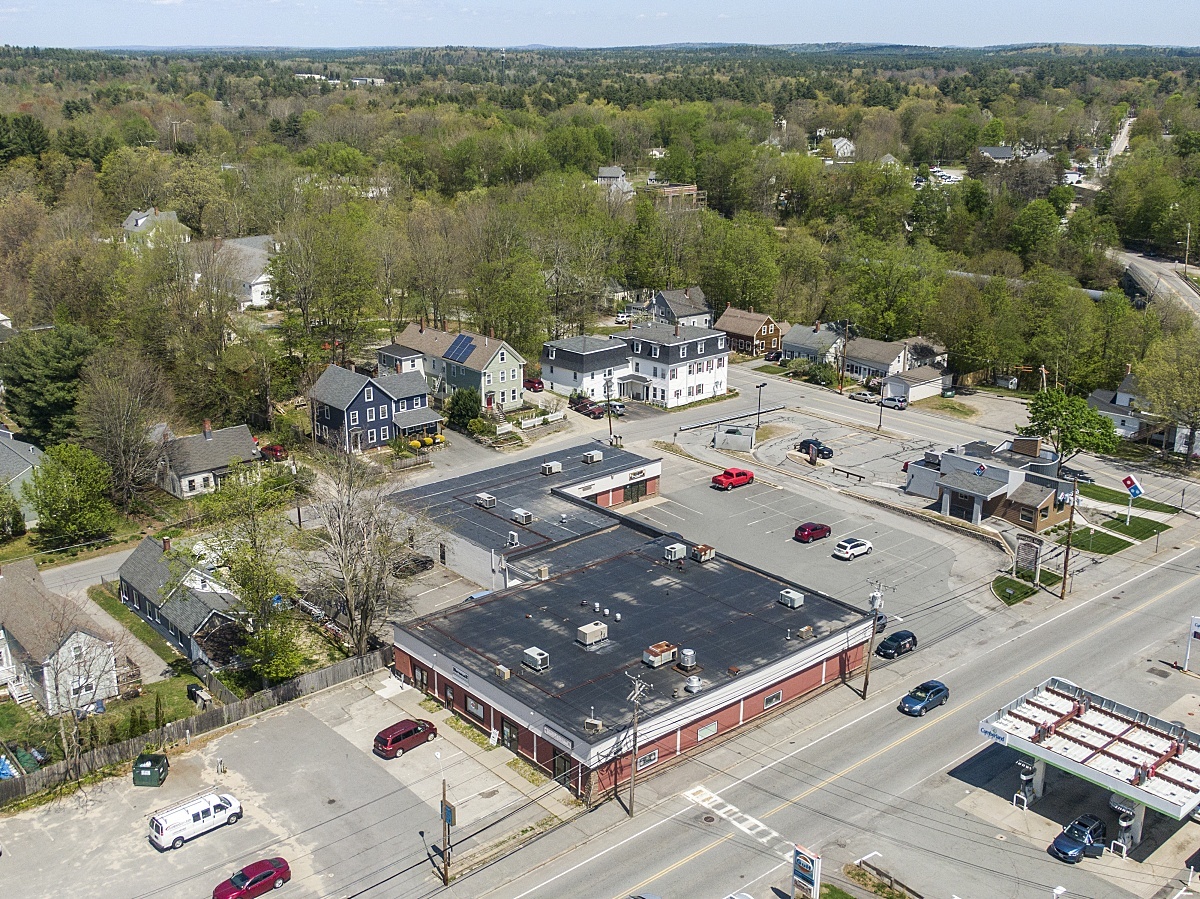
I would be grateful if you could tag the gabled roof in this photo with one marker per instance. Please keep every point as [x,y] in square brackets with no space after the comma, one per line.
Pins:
[400,352]
[583,345]
[249,256]
[38,619]
[921,375]
[403,385]
[197,453]
[16,457]
[1030,494]
[1129,384]
[337,387]
[141,221]
[688,301]
[997,152]
[1104,401]
[741,321]
[804,337]
[189,605]
[611,171]
[665,334]
[878,352]
[432,342]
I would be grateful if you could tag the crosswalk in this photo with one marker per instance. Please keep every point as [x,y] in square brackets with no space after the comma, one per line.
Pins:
[748,824]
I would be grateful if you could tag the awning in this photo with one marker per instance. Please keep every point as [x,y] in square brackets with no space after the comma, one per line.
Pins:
[415,418]
[640,379]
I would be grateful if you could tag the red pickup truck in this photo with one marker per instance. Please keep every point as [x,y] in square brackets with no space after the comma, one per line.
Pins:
[732,477]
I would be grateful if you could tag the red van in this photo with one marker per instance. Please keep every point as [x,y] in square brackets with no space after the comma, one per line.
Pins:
[393,741]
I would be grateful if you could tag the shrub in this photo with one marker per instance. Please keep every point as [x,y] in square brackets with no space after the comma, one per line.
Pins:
[438,438]
[428,441]
[414,445]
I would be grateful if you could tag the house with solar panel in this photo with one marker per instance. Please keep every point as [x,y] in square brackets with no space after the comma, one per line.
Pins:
[453,362]
[361,413]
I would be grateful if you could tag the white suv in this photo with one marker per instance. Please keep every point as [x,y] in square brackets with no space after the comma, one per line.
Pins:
[852,547]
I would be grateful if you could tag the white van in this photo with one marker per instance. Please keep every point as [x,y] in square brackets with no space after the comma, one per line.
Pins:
[174,825]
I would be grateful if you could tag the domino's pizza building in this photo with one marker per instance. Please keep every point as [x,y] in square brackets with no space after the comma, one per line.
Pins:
[590,597]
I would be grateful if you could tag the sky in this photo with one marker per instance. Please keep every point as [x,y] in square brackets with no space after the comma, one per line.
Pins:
[574,23]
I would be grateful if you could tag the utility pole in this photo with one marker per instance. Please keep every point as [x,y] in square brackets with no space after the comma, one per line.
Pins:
[844,332]
[876,605]
[1062,593]
[1187,249]
[635,696]
[758,419]
[445,839]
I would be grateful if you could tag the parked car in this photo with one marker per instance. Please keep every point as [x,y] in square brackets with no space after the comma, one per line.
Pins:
[808,443]
[580,401]
[174,825]
[274,452]
[624,318]
[392,742]
[894,402]
[616,407]
[533,384]
[851,548]
[774,356]
[733,477]
[922,698]
[1082,838]
[810,531]
[591,411]
[256,879]
[150,770]
[896,645]
[411,564]
[880,622]
[864,396]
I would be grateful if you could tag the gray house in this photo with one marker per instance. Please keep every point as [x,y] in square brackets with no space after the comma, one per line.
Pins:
[452,362]
[196,464]
[141,226]
[188,606]
[17,462]
[686,307]
[50,650]
[820,343]
[597,367]
[361,413]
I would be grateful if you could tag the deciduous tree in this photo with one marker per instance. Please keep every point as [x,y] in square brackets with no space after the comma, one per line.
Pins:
[69,491]
[1069,424]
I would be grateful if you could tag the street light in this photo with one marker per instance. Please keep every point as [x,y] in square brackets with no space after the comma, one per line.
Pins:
[758,421]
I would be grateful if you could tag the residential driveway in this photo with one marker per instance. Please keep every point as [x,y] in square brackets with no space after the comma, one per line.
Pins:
[125,643]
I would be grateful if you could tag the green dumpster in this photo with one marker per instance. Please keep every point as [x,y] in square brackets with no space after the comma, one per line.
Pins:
[150,770]
[948,392]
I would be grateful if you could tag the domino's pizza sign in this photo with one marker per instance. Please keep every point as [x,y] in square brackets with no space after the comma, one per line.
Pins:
[1132,485]
[981,470]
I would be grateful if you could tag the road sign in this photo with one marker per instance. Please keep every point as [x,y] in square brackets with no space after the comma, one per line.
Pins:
[806,873]
[449,814]
[1132,485]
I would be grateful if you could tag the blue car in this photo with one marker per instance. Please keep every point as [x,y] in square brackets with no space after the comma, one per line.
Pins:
[1082,838]
[921,699]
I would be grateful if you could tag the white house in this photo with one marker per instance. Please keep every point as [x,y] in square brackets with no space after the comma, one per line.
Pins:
[597,367]
[843,148]
[49,649]
[916,384]
[676,366]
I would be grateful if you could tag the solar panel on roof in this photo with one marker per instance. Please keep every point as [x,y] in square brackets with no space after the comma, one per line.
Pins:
[460,348]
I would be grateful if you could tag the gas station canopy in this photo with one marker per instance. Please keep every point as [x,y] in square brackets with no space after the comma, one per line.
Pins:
[1124,750]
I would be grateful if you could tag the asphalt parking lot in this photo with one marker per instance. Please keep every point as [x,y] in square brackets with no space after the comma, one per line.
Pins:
[312,790]
[939,578]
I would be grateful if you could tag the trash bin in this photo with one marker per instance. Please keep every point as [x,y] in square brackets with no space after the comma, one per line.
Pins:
[150,770]
[948,392]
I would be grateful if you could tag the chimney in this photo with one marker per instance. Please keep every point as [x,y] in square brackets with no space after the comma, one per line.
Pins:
[687,293]
[676,329]
[207,429]
[166,544]
[817,327]
[751,310]
[728,304]
[1128,368]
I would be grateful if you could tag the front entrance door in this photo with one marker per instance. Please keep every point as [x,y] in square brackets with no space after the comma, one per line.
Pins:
[508,734]
[636,491]
[490,399]
[421,679]
[562,767]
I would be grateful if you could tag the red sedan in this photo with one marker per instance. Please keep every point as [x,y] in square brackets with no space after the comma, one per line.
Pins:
[256,879]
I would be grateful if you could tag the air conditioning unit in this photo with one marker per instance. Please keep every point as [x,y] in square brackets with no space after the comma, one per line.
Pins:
[514,539]
[536,659]
[805,633]
[793,599]
[702,552]
[522,516]
[660,654]
[485,500]
[543,572]
[593,456]
[592,725]
[675,552]
[551,467]
[592,634]
[502,672]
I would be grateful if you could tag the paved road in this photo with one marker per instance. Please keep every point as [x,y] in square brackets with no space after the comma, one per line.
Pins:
[81,575]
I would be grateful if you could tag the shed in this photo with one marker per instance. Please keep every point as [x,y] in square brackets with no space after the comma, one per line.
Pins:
[916,383]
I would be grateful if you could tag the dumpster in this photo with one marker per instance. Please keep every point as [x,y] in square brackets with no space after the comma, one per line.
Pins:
[948,392]
[150,770]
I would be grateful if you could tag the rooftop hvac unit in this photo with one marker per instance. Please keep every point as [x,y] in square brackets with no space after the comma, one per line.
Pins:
[693,684]
[522,516]
[592,725]
[592,634]
[536,659]
[793,599]
[675,552]
[805,633]
[543,572]
[514,539]
[485,500]
[702,552]
[660,654]
[551,467]
[593,456]
[687,659]
[502,672]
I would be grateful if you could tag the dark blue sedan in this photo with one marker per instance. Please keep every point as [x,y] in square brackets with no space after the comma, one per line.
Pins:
[921,699]
[1082,838]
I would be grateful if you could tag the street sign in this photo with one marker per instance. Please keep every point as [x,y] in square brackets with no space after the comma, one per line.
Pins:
[449,814]
[1132,485]
[806,873]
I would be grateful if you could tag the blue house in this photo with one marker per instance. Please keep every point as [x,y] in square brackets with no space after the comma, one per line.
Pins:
[358,413]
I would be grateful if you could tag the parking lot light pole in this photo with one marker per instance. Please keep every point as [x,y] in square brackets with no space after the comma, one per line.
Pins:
[1062,593]
[758,420]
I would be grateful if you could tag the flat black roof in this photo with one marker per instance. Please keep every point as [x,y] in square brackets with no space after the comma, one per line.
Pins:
[451,504]
[726,611]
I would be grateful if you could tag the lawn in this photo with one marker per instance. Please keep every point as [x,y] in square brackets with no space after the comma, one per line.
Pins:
[829,891]
[106,598]
[1121,498]
[947,406]
[1048,579]
[14,722]
[1138,528]
[770,369]
[1104,544]
[1020,591]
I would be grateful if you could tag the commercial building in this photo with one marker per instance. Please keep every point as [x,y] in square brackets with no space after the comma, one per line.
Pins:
[588,600]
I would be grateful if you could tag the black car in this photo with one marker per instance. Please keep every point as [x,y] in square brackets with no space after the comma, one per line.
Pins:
[896,645]
[412,564]
[810,443]
[1082,838]
[1077,474]
[921,699]
[774,356]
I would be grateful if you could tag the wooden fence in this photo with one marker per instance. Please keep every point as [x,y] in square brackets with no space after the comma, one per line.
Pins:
[221,716]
